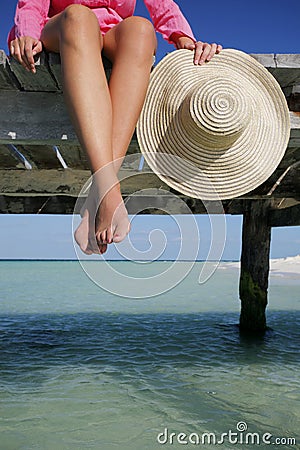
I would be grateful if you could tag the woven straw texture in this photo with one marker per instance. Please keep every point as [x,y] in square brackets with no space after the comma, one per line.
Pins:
[215,131]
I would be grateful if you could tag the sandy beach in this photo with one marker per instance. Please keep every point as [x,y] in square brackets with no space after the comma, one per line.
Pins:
[281,266]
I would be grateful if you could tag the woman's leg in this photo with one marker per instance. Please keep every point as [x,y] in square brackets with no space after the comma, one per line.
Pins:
[130,46]
[75,34]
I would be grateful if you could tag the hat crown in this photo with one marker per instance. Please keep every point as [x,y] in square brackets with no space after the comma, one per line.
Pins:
[216,112]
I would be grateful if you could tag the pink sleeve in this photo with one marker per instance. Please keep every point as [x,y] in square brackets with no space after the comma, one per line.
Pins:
[30,17]
[168,18]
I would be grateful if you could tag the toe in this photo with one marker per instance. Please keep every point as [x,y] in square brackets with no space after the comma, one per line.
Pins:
[102,248]
[103,237]
[109,236]
[121,232]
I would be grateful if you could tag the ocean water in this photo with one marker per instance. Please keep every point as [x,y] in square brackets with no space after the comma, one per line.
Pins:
[82,368]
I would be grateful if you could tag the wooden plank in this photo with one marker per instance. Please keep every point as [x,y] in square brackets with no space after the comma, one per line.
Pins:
[76,158]
[7,79]
[39,118]
[285,217]
[44,157]
[267,60]
[40,156]
[55,68]
[73,155]
[287,60]
[68,181]
[284,67]
[47,78]
[287,70]
[8,159]
[155,203]
[133,182]
[64,203]
[43,182]
[37,205]
[41,81]
[286,77]
[34,117]
[26,203]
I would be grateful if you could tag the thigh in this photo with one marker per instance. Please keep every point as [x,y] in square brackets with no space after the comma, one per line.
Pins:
[50,33]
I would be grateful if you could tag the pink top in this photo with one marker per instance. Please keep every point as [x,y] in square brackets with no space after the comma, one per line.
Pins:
[32,15]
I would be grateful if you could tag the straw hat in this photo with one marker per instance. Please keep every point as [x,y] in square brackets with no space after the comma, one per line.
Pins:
[215,131]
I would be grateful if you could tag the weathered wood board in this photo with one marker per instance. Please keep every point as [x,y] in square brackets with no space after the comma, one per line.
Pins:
[33,117]
[284,67]
[42,119]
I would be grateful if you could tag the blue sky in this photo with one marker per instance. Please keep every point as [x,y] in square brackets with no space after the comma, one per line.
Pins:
[255,27]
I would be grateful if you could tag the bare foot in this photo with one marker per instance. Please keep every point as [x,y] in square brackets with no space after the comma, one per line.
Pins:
[104,225]
[112,223]
[82,236]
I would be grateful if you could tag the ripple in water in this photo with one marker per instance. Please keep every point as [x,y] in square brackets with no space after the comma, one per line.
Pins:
[115,381]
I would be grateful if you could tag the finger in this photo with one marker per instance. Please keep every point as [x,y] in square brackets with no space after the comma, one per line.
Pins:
[29,56]
[37,48]
[24,63]
[198,52]
[213,50]
[17,52]
[219,48]
[205,53]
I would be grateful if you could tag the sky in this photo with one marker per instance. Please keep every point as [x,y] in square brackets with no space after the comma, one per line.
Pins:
[255,27]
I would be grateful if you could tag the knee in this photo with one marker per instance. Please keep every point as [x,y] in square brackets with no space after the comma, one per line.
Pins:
[144,33]
[78,19]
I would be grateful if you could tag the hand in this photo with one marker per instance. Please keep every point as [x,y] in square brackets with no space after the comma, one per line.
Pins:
[23,49]
[203,51]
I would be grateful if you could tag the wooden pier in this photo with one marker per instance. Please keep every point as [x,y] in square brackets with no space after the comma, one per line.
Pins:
[42,168]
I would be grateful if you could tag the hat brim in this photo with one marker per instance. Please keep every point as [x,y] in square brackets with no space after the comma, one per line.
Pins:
[180,158]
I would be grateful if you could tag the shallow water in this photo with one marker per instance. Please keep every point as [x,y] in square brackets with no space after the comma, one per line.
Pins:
[83,369]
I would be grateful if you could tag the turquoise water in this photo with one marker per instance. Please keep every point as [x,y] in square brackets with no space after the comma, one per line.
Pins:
[84,369]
